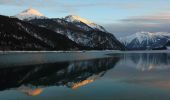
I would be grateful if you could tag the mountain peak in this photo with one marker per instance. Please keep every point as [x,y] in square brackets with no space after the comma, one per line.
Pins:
[29,14]
[72,18]
[76,18]
[32,11]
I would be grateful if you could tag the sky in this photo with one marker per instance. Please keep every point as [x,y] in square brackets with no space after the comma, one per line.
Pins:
[120,17]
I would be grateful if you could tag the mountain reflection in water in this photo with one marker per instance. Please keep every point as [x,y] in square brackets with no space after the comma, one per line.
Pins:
[32,79]
[70,74]
[148,61]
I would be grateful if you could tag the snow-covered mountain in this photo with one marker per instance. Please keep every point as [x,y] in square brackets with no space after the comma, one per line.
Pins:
[77,29]
[30,14]
[78,21]
[146,40]
[19,35]
[81,33]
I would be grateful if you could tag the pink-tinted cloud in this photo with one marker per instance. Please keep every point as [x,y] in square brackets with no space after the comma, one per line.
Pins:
[157,22]
[162,17]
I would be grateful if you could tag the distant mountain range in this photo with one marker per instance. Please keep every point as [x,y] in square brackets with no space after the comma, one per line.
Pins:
[34,31]
[31,30]
[146,40]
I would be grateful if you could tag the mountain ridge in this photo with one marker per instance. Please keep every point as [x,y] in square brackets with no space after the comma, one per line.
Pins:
[76,18]
[146,40]
[82,32]
[25,36]
[92,38]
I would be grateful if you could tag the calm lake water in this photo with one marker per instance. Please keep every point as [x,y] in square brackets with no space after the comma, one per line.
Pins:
[106,75]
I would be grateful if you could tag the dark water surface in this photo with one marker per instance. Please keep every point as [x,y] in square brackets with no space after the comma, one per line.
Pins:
[85,76]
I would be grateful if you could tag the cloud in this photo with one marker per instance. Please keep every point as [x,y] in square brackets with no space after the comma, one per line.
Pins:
[104,4]
[158,22]
[68,5]
[50,5]
[35,3]
[125,29]
[154,22]
[163,17]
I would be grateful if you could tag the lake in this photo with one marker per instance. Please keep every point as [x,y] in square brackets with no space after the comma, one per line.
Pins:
[94,75]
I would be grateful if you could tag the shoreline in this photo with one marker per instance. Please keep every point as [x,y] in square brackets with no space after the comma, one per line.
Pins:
[90,51]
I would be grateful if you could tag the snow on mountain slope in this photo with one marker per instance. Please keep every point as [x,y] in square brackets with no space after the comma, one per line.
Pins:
[30,14]
[95,39]
[146,40]
[79,30]
[19,35]
[78,19]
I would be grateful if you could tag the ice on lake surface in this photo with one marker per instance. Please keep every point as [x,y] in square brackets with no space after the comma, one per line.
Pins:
[98,75]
